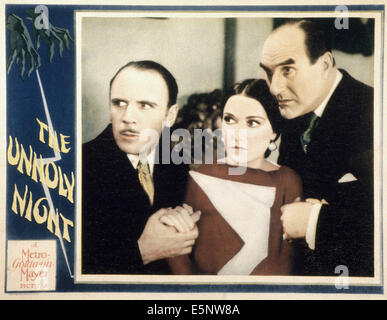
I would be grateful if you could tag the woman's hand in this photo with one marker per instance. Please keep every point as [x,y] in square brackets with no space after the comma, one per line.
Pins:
[182,218]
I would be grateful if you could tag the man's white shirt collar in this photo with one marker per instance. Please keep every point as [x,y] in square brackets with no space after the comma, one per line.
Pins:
[134,159]
[320,109]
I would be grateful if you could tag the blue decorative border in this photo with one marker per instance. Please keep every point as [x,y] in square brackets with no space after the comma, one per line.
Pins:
[69,286]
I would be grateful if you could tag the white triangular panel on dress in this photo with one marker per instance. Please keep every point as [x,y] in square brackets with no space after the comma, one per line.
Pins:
[246,208]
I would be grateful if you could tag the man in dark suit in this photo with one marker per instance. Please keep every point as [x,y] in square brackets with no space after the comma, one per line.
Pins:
[327,139]
[125,187]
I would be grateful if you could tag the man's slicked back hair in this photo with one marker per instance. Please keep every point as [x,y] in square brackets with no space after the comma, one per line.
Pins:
[149,65]
[317,40]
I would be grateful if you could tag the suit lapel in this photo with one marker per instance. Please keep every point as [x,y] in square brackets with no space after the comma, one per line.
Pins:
[327,156]
[161,175]
[125,177]
[328,153]
[329,137]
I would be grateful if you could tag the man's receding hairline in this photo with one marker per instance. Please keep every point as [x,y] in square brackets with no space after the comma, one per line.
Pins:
[296,25]
[139,69]
[143,70]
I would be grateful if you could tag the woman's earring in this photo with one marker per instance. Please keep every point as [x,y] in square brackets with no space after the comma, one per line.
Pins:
[272,146]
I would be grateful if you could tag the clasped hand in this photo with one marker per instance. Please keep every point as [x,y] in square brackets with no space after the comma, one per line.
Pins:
[183,219]
[295,217]
[169,233]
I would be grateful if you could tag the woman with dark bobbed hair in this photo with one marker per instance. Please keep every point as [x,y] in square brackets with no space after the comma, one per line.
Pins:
[240,232]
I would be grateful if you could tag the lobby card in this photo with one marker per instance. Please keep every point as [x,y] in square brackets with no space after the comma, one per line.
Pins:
[59,62]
